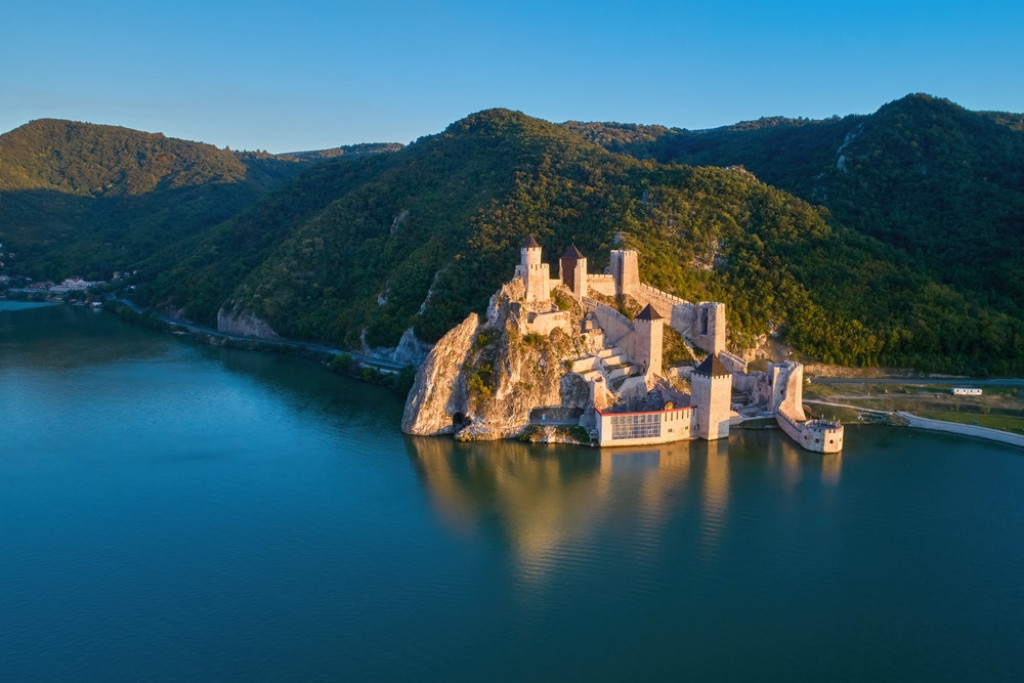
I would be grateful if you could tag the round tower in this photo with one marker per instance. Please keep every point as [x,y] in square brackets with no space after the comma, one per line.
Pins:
[534,273]
[711,386]
[530,252]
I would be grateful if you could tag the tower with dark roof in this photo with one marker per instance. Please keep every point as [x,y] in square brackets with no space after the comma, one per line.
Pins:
[711,394]
[572,271]
[533,272]
[649,328]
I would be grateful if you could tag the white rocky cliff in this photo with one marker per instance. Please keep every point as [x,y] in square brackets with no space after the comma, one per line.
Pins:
[483,380]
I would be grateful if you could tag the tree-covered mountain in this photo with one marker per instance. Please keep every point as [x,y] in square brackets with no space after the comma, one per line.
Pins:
[362,247]
[84,199]
[942,184]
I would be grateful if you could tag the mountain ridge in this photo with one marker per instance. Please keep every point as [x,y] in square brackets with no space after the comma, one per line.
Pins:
[358,249]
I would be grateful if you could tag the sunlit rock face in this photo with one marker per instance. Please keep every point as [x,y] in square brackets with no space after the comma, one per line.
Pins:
[438,396]
[482,381]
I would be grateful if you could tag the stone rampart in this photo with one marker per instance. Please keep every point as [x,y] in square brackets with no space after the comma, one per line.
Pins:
[602,284]
[732,361]
[615,325]
[544,323]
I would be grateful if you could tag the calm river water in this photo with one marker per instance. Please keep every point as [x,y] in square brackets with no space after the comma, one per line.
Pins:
[171,511]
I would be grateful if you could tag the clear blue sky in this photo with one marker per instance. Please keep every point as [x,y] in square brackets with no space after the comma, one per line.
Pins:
[301,74]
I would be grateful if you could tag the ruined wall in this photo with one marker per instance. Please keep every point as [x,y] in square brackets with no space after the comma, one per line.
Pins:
[544,323]
[663,302]
[787,385]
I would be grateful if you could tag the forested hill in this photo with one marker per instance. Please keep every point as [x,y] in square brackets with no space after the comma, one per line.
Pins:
[942,184]
[420,237]
[359,248]
[85,199]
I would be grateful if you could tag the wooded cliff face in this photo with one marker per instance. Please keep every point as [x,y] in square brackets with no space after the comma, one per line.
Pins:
[357,249]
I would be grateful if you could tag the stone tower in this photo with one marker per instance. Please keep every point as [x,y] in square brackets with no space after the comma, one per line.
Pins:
[533,271]
[711,384]
[623,266]
[572,269]
[709,331]
[649,327]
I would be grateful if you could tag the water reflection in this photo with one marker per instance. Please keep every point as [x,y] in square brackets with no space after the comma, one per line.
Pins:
[798,464]
[547,503]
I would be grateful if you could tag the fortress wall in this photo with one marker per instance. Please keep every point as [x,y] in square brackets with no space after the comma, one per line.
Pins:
[733,362]
[633,345]
[663,302]
[544,323]
[654,293]
[602,284]
[682,319]
[813,435]
[789,425]
[787,391]
[615,325]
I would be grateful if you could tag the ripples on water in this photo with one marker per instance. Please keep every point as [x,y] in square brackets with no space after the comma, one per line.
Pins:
[174,511]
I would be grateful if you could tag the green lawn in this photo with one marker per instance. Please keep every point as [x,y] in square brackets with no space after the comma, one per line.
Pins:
[1007,423]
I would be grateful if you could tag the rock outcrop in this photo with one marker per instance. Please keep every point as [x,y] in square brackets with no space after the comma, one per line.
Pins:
[437,399]
[483,381]
[244,325]
[410,350]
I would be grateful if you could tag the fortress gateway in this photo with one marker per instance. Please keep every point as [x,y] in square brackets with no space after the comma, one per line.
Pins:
[612,382]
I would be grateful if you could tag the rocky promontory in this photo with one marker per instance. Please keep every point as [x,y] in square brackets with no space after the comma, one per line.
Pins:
[484,379]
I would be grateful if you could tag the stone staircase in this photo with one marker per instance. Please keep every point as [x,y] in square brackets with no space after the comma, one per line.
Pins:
[609,363]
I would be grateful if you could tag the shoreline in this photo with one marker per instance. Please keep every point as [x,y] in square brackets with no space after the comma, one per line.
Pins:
[917,422]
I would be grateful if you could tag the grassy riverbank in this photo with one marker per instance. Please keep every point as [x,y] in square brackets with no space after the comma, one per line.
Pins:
[997,408]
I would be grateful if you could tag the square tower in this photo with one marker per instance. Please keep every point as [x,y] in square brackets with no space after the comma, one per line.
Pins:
[572,271]
[649,329]
[711,383]
[623,266]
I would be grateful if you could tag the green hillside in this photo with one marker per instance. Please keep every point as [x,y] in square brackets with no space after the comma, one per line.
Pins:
[82,199]
[361,247]
[421,237]
[942,184]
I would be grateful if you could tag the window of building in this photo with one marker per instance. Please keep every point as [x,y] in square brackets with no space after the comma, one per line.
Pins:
[636,426]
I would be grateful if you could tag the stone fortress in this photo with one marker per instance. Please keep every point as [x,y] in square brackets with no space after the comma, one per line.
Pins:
[614,384]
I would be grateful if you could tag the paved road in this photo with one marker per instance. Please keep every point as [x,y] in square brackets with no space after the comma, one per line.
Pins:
[379,363]
[1007,382]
